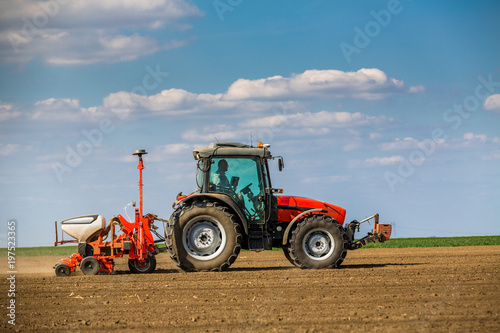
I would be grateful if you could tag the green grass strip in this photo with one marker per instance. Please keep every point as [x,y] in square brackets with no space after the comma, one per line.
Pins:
[41,251]
[392,243]
[437,242]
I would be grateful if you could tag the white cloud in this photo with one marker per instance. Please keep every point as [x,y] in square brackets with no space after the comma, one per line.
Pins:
[217,133]
[375,136]
[492,103]
[398,144]
[495,155]
[60,109]
[411,143]
[474,140]
[366,83]
[318,120]
[383,161]
[179,102]
[8,149]
[174,152]
[416,89]
[7,111]
[290,125]
[468,140]
[80,32]
[327,179]
[471,137]
[174,148]
[69,50]
[352,146]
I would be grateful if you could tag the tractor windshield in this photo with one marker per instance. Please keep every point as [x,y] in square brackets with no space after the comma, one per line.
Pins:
[241,178]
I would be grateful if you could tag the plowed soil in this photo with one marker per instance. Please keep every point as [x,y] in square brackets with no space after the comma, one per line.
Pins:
[385,290]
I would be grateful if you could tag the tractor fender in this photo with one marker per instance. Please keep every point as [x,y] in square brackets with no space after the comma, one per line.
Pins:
[297,218]
[225,199]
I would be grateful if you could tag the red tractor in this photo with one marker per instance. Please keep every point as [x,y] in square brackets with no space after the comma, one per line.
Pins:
[208,228]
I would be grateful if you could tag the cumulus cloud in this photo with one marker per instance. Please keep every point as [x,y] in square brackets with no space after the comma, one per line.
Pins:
[174,148]
[327,179]
[318,120]
[285,111]
[377,161]
[81,32]
[492,103]
[383,161]
[410,143]
[220,132]
[288,125]
[375,136]
[495,155]
[8,149]
[471,139]
[69,50]
[180,102]
[8,111]
[468,140]
[60,109]
[366,83]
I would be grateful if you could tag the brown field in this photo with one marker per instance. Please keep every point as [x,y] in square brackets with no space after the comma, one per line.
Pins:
[385,290]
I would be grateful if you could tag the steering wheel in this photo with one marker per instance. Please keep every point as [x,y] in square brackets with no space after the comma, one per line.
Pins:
[246,189]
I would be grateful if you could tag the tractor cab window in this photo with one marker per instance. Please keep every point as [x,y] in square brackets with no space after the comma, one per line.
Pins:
[241,178]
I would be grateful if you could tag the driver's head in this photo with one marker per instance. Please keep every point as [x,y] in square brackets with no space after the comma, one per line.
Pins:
[222,165]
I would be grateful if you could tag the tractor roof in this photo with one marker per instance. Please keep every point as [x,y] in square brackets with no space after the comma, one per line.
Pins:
[230,149]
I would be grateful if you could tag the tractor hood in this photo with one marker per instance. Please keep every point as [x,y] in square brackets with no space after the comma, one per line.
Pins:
[291,206]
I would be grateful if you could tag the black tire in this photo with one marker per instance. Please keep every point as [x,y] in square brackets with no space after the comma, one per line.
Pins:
[318,241]
[286,252]
[85,250]
[90,266]
[203,236]
[62,270]
[147,266]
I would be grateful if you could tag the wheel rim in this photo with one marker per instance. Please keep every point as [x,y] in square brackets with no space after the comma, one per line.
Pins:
[318,244]
[204,238]
[142,266]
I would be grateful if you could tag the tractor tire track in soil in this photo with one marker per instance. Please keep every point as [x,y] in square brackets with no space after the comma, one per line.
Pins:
[386,290]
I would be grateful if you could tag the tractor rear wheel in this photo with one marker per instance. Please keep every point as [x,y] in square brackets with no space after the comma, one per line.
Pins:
[148,265]
[90,266]
[203,236]
[318,241]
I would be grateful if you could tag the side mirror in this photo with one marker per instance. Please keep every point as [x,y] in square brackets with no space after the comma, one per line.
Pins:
[281,164]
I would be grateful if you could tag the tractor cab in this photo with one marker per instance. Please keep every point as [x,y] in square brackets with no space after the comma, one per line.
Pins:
[240,172]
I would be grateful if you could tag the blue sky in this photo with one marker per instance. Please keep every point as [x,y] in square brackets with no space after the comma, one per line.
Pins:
[381,106]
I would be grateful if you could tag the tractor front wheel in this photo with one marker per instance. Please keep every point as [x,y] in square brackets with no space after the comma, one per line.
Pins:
[148,265]
[203,236]
[317,242]
[286,252]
